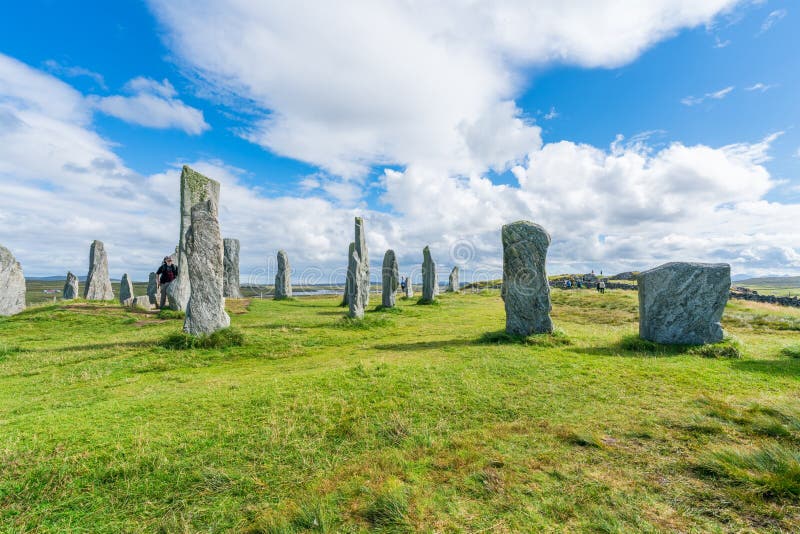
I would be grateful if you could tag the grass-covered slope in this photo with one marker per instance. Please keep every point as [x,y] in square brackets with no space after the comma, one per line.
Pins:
[422,418]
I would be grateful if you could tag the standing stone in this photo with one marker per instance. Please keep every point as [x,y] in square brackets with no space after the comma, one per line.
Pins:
[230,285]
[98,284]
[195,188]
[682,303]
[153,289]
[430,280]
[453,284]
[348,281]
[125,290]
[283,278]
[409,288]
[70,287]
[358,297]
[526,291]
[12,284]
[205,312]
[391,279]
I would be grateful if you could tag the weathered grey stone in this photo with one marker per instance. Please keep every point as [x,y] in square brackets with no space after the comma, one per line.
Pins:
[141,302]
[358,298]
[125,290]
[153,289]
[409,288]
[195,188]
[70,287]
[348,281]
[526,291]
[230,286]
[453,284]
[391,279]
[430,279]
[98,283]
[682,303]
[283,278]
[12,284]
[205,312]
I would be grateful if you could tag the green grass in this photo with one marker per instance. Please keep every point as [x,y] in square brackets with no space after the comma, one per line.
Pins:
[421,418]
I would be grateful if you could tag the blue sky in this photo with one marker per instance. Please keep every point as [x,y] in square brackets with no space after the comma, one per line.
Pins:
[436,124]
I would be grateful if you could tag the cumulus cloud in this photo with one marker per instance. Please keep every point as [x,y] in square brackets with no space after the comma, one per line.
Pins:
[152,104]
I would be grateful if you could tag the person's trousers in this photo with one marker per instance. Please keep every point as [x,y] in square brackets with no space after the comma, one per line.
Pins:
[163,295]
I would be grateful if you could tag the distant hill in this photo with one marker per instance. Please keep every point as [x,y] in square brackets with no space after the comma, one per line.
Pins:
[51,278]
[787,282]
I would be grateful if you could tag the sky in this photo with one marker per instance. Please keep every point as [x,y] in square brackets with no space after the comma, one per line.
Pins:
[636,133]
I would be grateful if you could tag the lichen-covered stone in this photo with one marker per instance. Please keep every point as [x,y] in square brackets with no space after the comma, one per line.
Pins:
[70,287]
[98,283]
[390,279]
[526,291]
[453,284]
[409,288]
[430,278]
[358,298]
[153,289]
[283,278]
[142,301]
[230,286]
[205,312]
[125,290]
[682,303]
[12,284]
[195,188]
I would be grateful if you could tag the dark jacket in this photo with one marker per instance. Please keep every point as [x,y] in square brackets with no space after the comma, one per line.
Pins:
[168,273]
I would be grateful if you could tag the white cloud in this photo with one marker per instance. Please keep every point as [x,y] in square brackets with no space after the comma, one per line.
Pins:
[760,87]
[716,95]
[552,114]
[75,72]
[773,18]
[718,43]
[152,104]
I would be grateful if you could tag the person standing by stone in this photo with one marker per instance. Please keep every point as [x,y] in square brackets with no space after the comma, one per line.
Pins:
[526,291]
[205,312]
[358,297]
[230,286]
[125,290]
[167,273]
[390,277]
[453,284]
[283,278]
[70,287]
[12,284]
[98,283]
[430,279]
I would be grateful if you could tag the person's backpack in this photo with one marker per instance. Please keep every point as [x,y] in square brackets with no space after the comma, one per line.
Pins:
[170,273]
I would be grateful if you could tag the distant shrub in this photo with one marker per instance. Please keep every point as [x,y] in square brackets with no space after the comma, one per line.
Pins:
[227,337]
[792,351]
[167,313]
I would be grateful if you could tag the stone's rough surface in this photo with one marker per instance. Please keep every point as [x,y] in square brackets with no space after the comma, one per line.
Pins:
[70,287]
[98,284]
[283,279]
[348,281]
[12,284]
[391,279]
[205,312]
[141,302]
[453,284]
[125,290]
[153,289]
[358,298]
[195,188]
[430,280]
[526,291]
[682,303]
[409,288]
[230,286]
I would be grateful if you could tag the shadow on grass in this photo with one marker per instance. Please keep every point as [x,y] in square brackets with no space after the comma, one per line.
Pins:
[426,345]
[97,346]
[789,368]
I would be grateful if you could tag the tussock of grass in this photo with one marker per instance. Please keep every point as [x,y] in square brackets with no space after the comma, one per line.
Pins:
[389,507]
[727,348]
[772,471]
[427,302]
[7,350]
[383,309]
[227,337]
[791,351]
[368,322]
[581,439]
[556,339]
[167,313]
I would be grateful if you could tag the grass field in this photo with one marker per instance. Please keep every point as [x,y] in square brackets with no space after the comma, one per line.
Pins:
[419,419]
[782,286]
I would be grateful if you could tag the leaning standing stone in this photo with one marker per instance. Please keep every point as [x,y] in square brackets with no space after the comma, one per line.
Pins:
[98,284]
[283,278]
[358,298]
[70,287]
[682,303]
[453,285]
[391,279]
[125,290]
[205,312]
[153,290]
[430,280]
[230,286]
[525,289]
[12,284]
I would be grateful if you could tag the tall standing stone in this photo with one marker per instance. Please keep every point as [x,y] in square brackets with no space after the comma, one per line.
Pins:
[358,298]
[125,290]
[70,287]
[409,288]
[230,286]
[682,303]
[348,281]
[526,291]
[98,283]
[195,188]
[205,312]
[153,290]
[430,280]
[12,284]
[283,278]
[390,279]
[453,284]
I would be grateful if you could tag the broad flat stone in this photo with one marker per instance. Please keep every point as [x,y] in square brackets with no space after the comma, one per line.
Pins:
[205,312]
[390,279]
[153,289]
[430,279]
[453,284]
[141,302]
[358,299]
[526,292]
[682,303]
[283,278]
[70,287]
[98,283]
[230,286]
[12,284]
[125,290]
